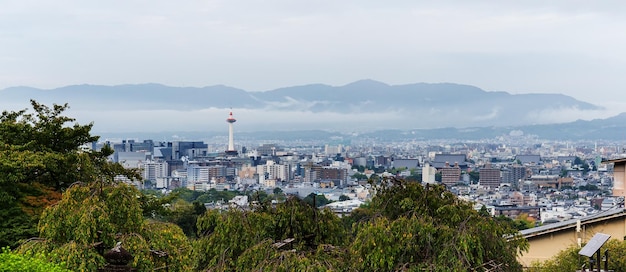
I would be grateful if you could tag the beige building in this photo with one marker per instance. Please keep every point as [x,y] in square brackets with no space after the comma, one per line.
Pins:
[548,240]
[450,175]
[619,177]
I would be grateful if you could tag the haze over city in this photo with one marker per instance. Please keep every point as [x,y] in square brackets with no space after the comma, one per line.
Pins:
[566,47]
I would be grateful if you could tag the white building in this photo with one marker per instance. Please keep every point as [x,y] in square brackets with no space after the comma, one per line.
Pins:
[332,150]
[197,174]
[154,170]
[271,170]
[428,173]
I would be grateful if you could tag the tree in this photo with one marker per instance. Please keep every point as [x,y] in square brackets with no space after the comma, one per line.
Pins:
[474,176]
[278,191]
[522,222]
[359,168]
[316,200]
[359,176]
[186,194]
[41,154]
[185,215]
[415,176]
[344,198]
[406,226]
[258,230]
[428,228]
[438,177]
[97,213]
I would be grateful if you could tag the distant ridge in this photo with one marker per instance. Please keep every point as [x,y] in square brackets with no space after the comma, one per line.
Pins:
[364,103]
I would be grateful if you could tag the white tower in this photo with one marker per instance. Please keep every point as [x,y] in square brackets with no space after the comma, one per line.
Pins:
[231,143]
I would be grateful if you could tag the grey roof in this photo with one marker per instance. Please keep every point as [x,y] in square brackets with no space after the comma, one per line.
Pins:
[441,160]
[529,158]
[566,158]
[451,158]
[570,223]
[408,163]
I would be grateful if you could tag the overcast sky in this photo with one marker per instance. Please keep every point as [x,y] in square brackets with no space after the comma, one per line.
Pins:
[571,47]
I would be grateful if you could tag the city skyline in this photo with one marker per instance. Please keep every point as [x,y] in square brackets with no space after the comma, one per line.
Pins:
[564,47]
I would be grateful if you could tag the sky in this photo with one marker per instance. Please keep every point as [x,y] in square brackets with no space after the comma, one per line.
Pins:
[570,47]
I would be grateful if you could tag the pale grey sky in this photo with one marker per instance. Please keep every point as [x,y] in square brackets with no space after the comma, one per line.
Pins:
[570,47]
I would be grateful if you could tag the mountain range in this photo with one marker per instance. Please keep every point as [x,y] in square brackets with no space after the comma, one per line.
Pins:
[443,109]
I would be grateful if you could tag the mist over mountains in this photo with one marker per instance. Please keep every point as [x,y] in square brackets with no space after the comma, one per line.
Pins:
[363,106]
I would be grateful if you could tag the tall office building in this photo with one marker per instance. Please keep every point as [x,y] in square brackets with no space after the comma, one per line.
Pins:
[489,177]
[153,170]
[450,175]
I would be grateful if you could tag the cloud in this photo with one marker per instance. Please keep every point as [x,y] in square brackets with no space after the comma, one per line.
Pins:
[564,115]
[214,120]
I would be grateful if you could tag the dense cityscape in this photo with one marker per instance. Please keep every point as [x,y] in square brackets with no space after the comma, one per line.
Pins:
[512,175]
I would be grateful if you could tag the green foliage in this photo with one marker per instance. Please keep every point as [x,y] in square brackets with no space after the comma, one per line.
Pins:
[266,257]
[11,261]
[209,196]
[522,222]
[41,155]
[474,176]
[185,215]
[570,260]
[259,196]
[89,214]
[216,249]
[154,204]
[359,176]
[427,227]
[168,238]
[278,191]
[406,226]
[92,213]
[359,168]
[186,194]
[395,171]
[316,200]
[438,177]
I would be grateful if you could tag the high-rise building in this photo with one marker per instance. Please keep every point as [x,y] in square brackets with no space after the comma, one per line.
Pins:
[153,170]
[450,175]
[518,173]
[274,170]
[489,177]
[428,173]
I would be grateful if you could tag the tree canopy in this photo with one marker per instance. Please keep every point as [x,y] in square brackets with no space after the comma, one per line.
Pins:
[93,216]
[41,154]
[427,227]
[406,226]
